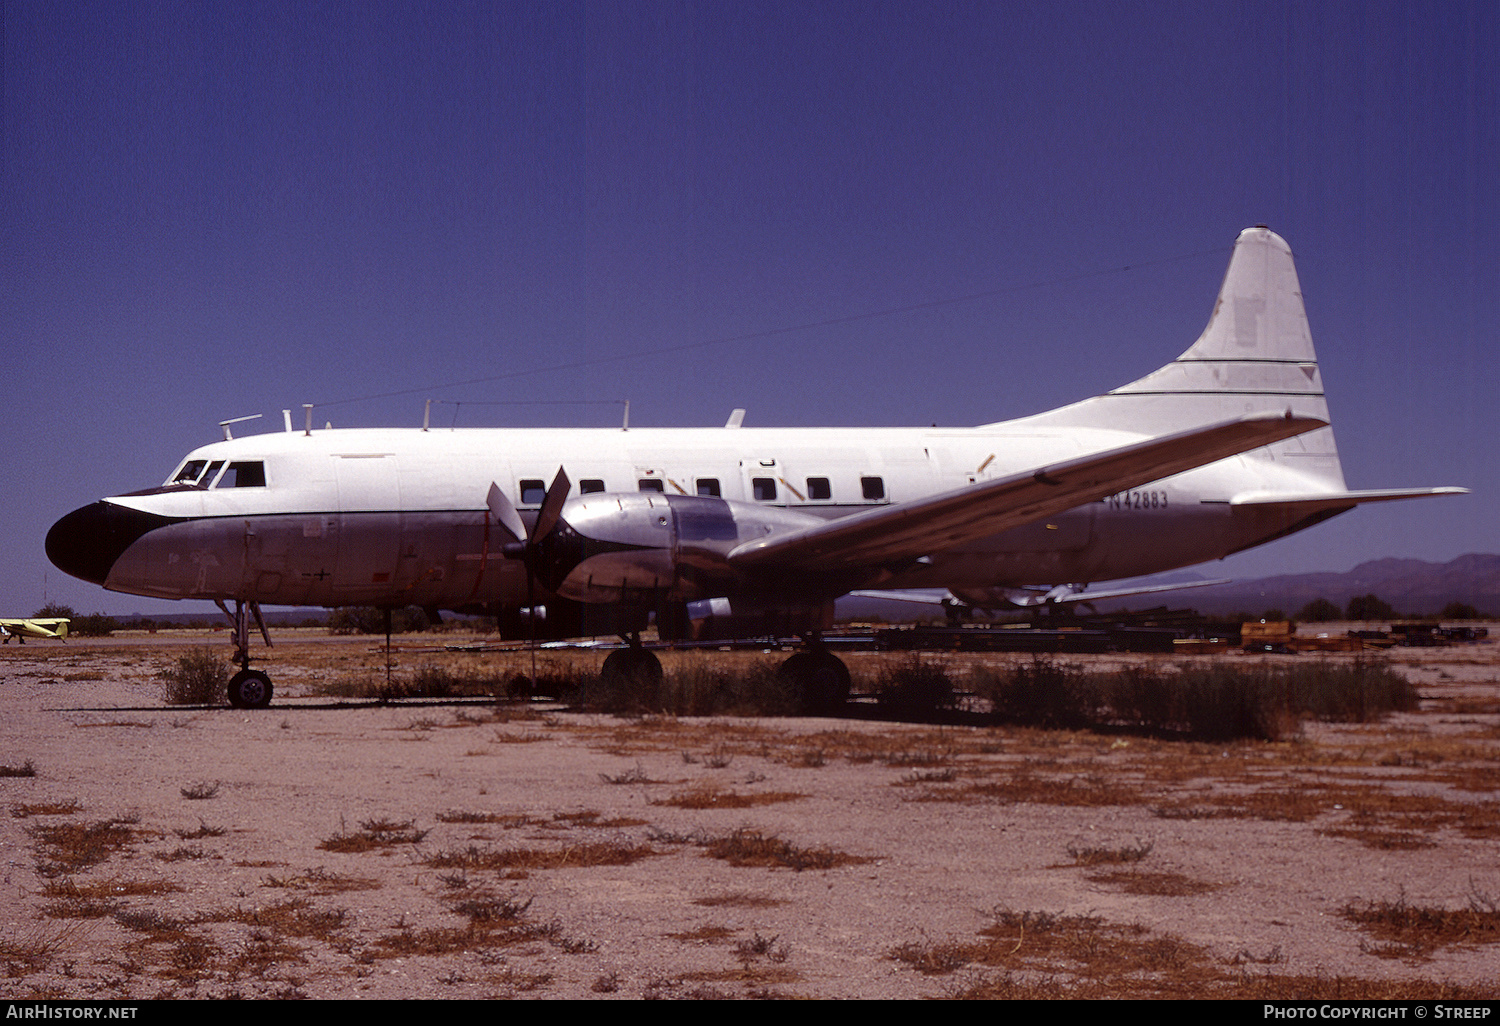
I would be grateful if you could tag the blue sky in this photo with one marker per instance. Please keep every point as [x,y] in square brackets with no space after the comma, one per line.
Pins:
[218,209]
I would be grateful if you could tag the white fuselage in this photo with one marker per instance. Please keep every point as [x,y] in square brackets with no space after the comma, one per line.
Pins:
[390,516]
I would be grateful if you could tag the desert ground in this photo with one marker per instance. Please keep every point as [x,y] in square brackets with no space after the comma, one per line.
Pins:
[330,848]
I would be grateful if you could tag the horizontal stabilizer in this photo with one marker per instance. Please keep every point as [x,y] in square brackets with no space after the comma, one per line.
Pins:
[1340,500]
[1073,598]
[1062,596]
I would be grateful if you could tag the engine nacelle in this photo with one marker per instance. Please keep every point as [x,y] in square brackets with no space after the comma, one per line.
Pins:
[646,548]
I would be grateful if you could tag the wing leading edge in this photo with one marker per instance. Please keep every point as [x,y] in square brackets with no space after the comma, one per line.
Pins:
[911,530]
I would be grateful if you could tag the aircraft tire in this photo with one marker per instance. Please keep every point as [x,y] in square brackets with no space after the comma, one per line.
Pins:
[249,689]
[820,680]
[632,679]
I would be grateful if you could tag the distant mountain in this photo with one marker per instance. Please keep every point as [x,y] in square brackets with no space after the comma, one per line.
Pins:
[1409,585]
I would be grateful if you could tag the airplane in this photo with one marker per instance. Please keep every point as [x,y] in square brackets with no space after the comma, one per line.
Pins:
[755,530]
[34,627]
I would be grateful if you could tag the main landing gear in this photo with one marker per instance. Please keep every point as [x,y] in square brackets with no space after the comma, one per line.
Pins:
[817,678]
[248,689]
[633,672]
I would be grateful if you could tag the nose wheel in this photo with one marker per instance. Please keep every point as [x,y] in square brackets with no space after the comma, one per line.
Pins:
[250,689]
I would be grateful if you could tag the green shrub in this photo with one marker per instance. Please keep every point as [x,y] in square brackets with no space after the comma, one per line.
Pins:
[94,625]
[696,687]
[1319,610]
[1217,701]
[1041,693]
[198,678]
[370,620]
[1459,611]
[1369,607]
[913,687]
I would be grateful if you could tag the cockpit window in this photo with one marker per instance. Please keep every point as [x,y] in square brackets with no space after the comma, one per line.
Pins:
[244,475]
[190,472]
[194,474]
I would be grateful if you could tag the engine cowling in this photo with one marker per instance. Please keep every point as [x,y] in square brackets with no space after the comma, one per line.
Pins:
[646,547]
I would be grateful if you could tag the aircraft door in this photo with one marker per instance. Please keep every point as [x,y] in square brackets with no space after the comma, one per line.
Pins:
[761,480]
[431,533]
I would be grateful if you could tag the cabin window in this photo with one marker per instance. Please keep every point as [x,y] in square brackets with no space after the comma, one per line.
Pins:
[873,487]
[590,484]
[708,486]
[652,484]
[819,488]
[533,492]
[207,480]
[244,475]
[765,489]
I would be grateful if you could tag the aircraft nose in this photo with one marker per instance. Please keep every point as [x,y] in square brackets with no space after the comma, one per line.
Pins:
[87,541]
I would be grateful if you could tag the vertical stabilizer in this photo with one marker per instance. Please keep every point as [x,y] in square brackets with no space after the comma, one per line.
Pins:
[1255,354]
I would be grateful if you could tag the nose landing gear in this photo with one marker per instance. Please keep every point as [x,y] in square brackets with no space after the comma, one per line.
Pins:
[248,689]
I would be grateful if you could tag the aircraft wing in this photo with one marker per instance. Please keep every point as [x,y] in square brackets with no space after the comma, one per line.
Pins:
[911,530]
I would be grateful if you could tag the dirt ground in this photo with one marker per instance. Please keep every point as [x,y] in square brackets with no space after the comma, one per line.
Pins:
[329,849]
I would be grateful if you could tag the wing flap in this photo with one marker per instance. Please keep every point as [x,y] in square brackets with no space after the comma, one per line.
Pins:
[914,529]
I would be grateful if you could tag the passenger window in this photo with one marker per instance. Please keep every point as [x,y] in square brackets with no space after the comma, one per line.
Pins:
[652,484]
[708,486]
[590,484]
[819,488]
[244,475]
[533,492]
[873,487]
[765,489]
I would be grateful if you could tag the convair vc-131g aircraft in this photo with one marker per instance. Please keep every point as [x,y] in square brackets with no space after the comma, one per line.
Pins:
[760,529]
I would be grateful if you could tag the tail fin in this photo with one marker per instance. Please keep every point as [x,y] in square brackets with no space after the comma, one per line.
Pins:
[1255,354]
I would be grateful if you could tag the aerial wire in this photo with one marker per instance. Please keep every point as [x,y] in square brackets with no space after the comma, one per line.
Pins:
[752,336]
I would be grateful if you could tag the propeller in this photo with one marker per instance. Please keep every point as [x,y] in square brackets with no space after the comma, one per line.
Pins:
[526,548]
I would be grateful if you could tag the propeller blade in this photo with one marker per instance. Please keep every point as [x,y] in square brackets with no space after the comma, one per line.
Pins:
[552,506]
[504,513]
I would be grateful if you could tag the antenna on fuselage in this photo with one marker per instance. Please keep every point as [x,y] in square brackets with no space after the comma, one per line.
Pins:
[307,410]
[224,424]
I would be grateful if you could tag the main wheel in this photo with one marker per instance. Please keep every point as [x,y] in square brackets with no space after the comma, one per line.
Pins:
[632,679]
[819,679]
[249,689]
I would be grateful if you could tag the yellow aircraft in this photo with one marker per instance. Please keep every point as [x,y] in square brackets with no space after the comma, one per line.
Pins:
[34,627]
